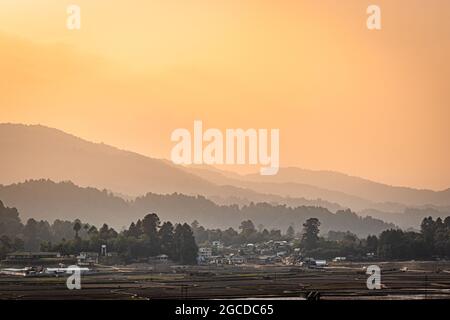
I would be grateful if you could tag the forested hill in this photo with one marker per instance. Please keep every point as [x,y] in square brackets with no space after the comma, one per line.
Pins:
[47,200]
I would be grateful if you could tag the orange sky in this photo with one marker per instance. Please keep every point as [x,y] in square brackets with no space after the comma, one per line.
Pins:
[370,103]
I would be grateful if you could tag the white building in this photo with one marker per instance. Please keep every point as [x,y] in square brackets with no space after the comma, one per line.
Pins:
[159,259]
[237,260]
[204,254]
[87,258]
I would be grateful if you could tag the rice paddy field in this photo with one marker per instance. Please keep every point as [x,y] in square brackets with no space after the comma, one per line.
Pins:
[338,281]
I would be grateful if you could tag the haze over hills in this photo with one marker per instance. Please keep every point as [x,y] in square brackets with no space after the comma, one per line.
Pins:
[35,152]
[287,189]
[356,193]
[330,185]
[363,188]
[47,200]
[38,152]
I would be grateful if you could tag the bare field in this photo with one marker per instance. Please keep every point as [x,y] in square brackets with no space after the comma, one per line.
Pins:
[421,280]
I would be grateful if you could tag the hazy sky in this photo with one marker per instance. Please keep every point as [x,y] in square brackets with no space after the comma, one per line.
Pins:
[370,103]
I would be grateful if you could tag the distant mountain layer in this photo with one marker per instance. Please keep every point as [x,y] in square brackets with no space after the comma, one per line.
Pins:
[347,191]
[36,152]
[358,187]
[48,200]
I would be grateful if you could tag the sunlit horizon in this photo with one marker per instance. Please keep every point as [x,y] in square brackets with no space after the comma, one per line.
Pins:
[346,99]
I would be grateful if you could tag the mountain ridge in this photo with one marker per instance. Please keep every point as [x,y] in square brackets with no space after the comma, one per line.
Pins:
[47,200]
[36,151]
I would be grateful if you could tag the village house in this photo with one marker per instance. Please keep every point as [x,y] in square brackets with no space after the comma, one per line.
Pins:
[87,258]
[204,255]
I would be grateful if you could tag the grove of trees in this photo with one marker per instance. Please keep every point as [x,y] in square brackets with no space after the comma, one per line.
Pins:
[246,233]
[433,241]
[143,239]
[149,237]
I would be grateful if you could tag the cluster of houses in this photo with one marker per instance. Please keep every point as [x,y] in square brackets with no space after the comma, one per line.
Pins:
[52,258]
[53,263]
[37,264]
[265,253]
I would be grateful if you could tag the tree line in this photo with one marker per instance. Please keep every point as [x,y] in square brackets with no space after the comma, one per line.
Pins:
[66,201]
[149,237]
[246,233]
[144,238]
[433,241]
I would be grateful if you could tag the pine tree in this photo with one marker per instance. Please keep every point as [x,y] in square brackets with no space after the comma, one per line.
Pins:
[311,233]
[290,232]
[186,249]
[167,239]
[150,225]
